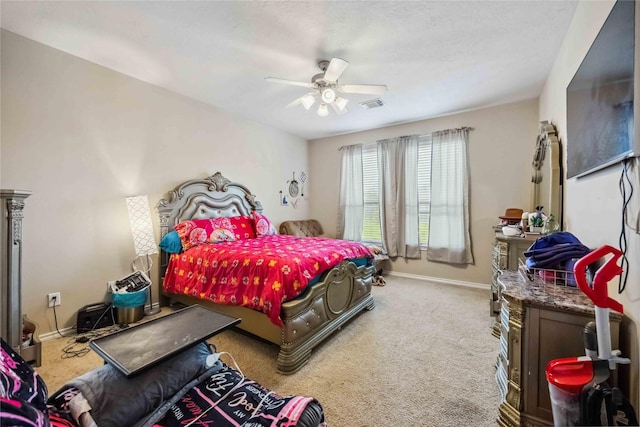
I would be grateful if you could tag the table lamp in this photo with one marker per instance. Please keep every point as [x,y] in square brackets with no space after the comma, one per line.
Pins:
[144,240]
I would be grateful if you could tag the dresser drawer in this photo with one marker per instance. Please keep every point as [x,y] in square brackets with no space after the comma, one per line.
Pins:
[504,315]
[500,255]
[501,378]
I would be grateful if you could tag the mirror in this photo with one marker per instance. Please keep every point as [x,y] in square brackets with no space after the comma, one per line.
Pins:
[293,187]
[546,173]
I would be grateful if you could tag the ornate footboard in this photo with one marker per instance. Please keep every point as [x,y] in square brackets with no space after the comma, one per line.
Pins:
[308,320]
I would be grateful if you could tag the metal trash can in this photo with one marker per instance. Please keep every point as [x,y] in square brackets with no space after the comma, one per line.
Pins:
[126,315]
[130,305]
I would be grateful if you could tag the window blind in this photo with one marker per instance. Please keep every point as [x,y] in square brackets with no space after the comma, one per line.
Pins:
[371,230]
[424,187]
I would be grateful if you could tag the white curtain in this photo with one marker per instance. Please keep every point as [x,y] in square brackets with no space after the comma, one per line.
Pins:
[449,237]
[398,172]
[351,209]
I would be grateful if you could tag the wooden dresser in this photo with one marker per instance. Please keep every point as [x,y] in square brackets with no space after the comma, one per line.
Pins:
[505,254]
[539,322]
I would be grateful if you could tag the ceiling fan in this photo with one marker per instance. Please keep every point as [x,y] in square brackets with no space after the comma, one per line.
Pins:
[325,86]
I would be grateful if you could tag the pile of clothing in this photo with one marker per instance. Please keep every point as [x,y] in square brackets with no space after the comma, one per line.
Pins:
[554,255]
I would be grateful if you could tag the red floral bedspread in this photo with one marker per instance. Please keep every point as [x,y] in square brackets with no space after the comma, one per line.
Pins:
[258,273]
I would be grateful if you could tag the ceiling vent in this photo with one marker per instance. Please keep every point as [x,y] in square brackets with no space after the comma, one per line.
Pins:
[372,103]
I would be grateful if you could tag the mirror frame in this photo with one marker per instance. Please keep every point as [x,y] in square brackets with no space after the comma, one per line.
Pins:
[294,188]
[546,177]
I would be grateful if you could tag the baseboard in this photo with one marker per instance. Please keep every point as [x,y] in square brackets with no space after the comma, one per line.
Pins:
[439,280]
[72,330]
[53,335]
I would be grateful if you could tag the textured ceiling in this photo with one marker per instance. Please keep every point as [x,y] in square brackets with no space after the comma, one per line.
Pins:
[436,57]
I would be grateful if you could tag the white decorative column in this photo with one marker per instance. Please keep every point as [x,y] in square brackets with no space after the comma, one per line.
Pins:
[10,292]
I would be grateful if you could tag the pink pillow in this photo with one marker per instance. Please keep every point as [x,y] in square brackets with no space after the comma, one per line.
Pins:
[198,231]
[262,225]
[242,227]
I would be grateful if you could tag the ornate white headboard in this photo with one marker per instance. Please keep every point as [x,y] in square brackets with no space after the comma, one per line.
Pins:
[211,197]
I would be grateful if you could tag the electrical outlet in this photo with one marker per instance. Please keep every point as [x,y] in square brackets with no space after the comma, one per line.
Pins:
[54,299]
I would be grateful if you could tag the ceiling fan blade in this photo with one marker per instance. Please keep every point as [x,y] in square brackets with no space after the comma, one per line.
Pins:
[338,110]
[368,89]
[290,82]
[335,69]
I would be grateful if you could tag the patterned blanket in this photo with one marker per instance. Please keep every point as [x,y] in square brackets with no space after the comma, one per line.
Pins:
[228,398]
[259,273]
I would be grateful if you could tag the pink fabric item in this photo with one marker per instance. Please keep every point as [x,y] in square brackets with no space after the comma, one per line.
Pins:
[199,231]
[242,227]
[262,225]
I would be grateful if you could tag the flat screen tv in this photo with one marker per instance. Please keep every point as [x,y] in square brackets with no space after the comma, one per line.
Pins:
[600,97]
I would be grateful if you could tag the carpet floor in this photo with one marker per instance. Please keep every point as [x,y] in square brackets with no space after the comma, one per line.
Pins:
[424,356]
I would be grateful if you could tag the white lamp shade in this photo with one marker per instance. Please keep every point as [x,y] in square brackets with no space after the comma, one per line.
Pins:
[323,111]
[341,103]
[307,101]
[140,220]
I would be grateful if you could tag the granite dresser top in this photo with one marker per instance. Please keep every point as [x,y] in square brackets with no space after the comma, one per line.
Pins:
[518,286]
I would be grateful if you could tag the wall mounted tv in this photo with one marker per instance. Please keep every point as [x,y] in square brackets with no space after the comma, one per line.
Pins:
[600,97]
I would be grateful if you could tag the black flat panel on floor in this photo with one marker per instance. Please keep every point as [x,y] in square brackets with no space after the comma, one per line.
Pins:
[144,346]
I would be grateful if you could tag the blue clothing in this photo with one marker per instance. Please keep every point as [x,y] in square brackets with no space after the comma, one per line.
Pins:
[553,250]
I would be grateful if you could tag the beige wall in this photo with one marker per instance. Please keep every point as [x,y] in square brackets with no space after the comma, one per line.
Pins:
[593,203]
[500,152]
[82,137]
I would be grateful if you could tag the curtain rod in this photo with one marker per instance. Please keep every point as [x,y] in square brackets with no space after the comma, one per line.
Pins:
[450,130]
[354,145]
[438,131]
[347,146]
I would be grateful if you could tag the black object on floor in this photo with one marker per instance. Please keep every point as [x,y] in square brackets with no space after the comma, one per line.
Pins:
[94,316]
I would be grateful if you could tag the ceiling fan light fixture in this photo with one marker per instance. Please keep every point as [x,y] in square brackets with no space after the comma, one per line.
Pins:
[307,101]
[323,111]
[328,95]
[340,103]
[325,87]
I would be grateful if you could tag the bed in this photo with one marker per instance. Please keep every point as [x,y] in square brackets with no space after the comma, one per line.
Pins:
[338,295]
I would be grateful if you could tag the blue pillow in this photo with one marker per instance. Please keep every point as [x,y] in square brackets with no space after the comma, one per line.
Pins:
[171,243]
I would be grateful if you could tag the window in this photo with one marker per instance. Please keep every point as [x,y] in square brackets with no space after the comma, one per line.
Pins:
[371,230]
[424,187]
[423,182]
